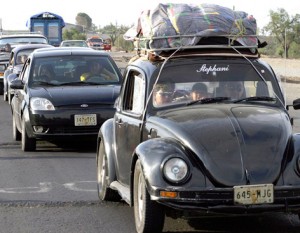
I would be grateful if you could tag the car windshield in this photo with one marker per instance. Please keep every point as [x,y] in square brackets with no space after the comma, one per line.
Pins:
[215,83]
[73,70]
[96,40]
[74,44]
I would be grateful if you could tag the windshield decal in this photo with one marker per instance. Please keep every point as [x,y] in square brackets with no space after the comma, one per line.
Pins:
[205,69]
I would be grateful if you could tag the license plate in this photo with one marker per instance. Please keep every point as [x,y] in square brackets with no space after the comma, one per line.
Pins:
[85,120]
[253,194]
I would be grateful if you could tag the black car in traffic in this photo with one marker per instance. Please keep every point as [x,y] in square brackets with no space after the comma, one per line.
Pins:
[17,58]
[57,95]
[199,130]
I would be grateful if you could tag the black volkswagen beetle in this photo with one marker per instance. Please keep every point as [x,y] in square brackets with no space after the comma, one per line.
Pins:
[59,94]
[227,147]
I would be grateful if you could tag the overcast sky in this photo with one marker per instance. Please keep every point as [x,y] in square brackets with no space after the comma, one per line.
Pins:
[126,12]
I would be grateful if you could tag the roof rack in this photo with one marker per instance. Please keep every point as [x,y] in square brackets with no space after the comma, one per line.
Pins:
[244,43]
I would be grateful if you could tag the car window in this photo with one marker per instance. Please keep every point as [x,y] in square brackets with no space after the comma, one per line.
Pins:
[183,83]
[22,56]
[25,72]
[135,93]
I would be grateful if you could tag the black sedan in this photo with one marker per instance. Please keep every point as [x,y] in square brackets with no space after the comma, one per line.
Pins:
[198,133]
[52,100]
[17,58]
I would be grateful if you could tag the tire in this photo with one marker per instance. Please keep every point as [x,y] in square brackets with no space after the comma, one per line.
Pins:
[1,88]
[28,144]
[5,96]
[104,192]
[149,215]
[9,98]
[16,134]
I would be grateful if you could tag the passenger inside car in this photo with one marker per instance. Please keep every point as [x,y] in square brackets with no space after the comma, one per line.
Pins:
[163,94]
[199,91]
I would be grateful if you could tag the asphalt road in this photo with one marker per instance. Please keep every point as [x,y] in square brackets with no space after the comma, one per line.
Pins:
[54,190]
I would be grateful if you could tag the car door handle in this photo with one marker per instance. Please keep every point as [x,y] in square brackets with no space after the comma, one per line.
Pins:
[119,122]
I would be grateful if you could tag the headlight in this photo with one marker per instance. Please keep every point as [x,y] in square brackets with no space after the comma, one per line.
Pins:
[175,170]
[37,103]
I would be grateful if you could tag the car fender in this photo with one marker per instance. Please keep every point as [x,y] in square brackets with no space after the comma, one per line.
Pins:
[291,172]
[106,134]
[152,154]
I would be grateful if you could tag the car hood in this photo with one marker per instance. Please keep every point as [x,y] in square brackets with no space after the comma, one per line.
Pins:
[72,95]
[235,144]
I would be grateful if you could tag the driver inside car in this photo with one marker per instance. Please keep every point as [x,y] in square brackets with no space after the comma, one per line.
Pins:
[199,91]
[96,70]
[234,90]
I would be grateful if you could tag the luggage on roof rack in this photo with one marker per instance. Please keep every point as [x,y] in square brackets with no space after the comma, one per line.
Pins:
[171,26]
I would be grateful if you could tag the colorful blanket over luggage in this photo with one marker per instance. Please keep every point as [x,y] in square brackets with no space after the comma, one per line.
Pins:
[192,22]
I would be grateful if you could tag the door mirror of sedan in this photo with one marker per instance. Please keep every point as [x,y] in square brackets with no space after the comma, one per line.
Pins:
[17,84]
[12,77]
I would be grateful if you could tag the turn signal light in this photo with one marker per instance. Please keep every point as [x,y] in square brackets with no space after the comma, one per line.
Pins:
[168,194]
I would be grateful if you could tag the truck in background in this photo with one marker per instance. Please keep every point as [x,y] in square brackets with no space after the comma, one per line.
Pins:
[48,24]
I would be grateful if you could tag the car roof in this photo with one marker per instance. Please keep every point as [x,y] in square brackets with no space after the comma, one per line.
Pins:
[72,40]
[64,51]
[22,35]
[30,46]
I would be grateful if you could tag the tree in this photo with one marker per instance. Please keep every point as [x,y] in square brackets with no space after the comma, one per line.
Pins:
[84,20]
[114,31]
[284,28]
[73,34]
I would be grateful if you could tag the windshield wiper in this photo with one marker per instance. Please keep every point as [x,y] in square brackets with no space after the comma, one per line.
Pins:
[255,98]
[43,83]
[80,83]
[208,100]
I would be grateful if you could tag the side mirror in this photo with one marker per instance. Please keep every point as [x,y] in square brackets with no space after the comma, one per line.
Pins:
[12,77]
[16,84]
[296,104]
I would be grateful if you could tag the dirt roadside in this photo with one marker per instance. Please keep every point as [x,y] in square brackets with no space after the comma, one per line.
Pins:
[288,69]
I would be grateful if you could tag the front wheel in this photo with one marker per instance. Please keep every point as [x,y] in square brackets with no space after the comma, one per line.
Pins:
[28,144]
[104,192]
[5,96]
[149,215]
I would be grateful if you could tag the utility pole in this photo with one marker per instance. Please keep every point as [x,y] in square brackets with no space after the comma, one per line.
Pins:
[1,30]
